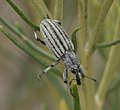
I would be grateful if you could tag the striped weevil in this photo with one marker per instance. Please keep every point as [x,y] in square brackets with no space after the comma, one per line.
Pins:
[60,44]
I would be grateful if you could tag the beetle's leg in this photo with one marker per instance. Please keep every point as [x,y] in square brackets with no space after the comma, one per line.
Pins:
[36,37]
[78,79]
[65,77]
[51,66]
[70,89]
[48,68]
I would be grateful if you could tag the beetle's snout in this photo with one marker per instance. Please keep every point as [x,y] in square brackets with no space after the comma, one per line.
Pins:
[77,77]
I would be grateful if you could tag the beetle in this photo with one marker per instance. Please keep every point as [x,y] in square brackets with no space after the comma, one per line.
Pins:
[60,44]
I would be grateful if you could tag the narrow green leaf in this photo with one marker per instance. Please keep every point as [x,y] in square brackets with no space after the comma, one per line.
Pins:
[74,40]
[76,97]
[42,8]
[9,26]
[115,83]
[22,15]
[19,27]
[114,93]
[108,44]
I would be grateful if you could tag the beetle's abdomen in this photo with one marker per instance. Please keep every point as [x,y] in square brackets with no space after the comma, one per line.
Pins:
[55,37]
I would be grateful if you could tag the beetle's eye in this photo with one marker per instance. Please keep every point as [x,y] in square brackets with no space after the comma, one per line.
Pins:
[58,22]
[73,71]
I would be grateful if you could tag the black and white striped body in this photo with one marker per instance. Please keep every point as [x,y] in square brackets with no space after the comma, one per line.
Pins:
[60,44]
[55,37]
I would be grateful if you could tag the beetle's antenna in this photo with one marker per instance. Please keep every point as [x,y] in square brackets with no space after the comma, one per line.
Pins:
[82,78]
[90,78]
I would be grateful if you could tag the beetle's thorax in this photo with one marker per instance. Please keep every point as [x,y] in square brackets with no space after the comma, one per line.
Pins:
[71,60]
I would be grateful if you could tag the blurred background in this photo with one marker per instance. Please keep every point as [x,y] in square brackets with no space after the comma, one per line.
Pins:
[19,86]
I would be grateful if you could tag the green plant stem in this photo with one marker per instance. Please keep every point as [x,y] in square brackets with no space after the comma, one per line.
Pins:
[88,90]
[111,69]
[58,12]
[108,44]
[82,21]
[22,15]
[98,26]
[76,97]
[42,8]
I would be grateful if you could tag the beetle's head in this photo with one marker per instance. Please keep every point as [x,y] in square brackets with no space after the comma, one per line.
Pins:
[78,70]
